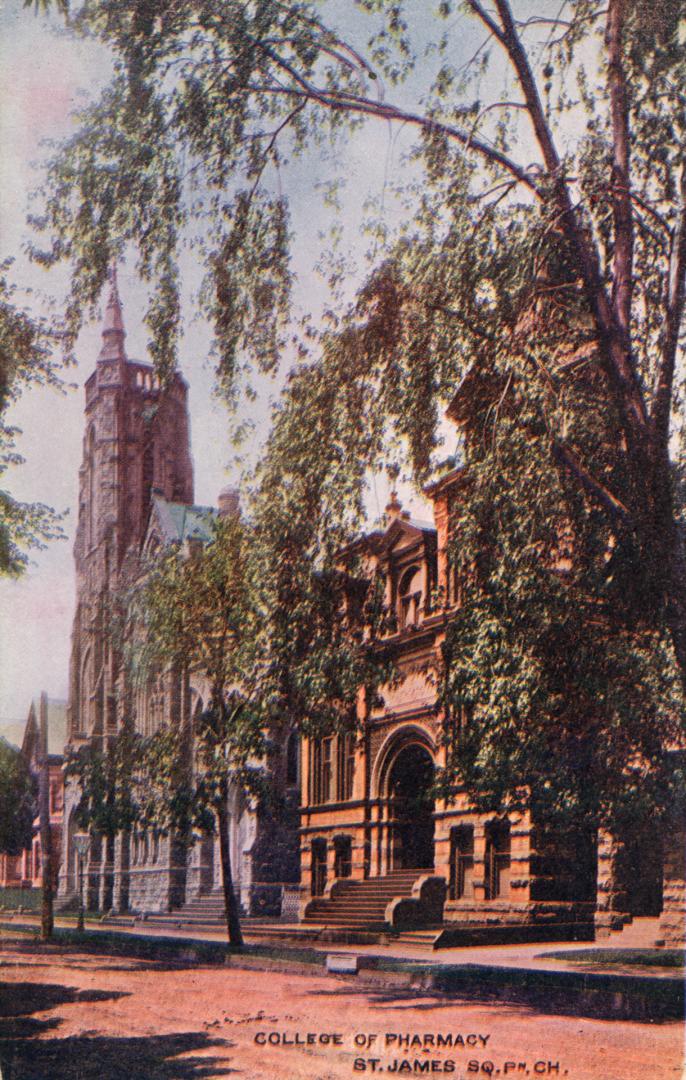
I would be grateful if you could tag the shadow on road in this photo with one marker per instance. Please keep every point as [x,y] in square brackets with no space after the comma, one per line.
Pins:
[27,1052]
[153,1057]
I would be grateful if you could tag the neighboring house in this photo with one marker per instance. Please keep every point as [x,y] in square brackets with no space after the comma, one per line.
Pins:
[135,499]
[24,870]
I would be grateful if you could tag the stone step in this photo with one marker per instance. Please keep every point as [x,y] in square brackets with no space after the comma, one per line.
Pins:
[348,913]
[425,938]
[190,908]
[643,932]
[371,925]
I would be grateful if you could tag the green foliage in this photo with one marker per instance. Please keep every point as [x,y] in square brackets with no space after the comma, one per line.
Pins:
[105,776]
[194,613]
[317,607]
[539,276]
[17,801]
[26,346]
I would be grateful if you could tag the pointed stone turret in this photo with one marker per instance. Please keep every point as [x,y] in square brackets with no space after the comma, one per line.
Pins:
[113,332]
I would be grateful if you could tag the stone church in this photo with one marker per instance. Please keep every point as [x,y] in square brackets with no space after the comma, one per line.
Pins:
[135,498]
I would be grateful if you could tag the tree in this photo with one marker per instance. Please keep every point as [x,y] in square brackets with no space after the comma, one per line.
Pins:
[26,345]
[196,614]
[542,271]
[17,801]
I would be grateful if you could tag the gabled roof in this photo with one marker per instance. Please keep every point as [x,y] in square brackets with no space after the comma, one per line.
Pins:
[178,522]
[407,526]
[57,727]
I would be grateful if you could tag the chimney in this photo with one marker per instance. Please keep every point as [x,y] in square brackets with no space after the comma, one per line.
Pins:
[229,502]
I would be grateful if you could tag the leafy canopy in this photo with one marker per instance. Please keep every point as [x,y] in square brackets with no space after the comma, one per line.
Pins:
[540,268]
[26,350]
[17,800]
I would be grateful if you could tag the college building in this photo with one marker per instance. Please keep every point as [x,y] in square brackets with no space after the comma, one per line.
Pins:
[362,845]
[136,499]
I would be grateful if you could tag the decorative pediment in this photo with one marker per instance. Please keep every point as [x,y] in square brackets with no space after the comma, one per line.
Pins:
[404,533]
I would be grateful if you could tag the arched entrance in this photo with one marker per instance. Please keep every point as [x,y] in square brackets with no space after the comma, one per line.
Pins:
[410,808]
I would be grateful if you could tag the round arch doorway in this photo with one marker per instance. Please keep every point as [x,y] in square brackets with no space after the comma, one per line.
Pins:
[411,806]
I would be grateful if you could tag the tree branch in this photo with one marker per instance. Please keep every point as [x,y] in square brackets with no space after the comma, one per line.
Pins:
[566,457]
[487,20]
[622,271]
[346,101]
[619,360]
[675,298]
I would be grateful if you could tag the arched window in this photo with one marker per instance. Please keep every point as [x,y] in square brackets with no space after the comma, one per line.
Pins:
[86,696]
[409,598]
[90,489]
[147,472]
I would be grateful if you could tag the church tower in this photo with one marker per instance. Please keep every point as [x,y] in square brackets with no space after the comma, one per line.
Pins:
[136,445]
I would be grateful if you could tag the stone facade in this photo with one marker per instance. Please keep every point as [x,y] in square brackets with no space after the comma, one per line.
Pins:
[136,497]
[364,816]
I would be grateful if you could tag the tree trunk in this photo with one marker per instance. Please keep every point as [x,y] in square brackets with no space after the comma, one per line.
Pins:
[676,609]
[230,903]
[44,821]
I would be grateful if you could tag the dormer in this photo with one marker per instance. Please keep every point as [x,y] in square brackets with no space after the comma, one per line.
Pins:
[407,557]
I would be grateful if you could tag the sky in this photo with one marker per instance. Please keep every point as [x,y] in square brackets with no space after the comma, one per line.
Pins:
[44,75]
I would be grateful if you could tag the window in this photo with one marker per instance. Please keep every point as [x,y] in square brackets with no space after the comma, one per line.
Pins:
[292,758]
[56,801]
[346,765]
[90,489]
[461,862]
[322,758]
[318,866]
[147,471]
[409,598]
[497,867]
[343,862]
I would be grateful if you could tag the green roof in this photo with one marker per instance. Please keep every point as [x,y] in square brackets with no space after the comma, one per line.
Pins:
[179,522]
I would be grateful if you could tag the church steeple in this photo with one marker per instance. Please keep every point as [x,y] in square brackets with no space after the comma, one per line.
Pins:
[113,332]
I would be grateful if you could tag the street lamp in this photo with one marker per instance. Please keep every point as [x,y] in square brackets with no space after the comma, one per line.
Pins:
[81,843]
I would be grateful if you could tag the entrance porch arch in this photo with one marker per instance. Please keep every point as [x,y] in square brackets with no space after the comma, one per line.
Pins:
[402,782]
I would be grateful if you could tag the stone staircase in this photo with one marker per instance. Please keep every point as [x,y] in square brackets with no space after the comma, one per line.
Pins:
[361,905]
[643,932]
[207,913]
[425,938]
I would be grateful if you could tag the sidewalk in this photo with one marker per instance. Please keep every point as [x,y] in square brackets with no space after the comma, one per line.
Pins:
[529,956]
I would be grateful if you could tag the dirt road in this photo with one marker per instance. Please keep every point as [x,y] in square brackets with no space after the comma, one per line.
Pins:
[72,1016]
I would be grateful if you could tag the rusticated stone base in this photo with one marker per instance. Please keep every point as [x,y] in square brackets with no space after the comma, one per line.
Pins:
[673,919]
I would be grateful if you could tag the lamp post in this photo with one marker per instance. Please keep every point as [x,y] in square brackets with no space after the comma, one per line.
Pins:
[81,843]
